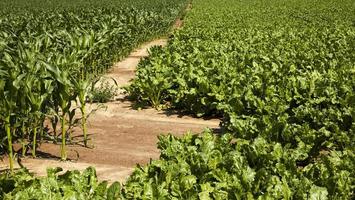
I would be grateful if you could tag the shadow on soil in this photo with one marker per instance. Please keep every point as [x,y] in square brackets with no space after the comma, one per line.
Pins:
[167,111]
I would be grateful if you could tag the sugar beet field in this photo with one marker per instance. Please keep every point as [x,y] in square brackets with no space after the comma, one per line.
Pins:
[177,99]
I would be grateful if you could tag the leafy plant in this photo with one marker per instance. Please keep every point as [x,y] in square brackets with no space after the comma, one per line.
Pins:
[204,166]
[207,166]
[281,75]
[70,185]
[104,92]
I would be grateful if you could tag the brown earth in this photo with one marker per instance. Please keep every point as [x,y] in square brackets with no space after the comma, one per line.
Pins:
[120,135]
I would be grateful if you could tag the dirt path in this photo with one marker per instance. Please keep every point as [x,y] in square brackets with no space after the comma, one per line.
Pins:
[122,136]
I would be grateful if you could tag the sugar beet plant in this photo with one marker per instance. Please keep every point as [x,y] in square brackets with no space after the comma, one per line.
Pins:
[51,52]
[281,72]
[68,185]
[204,167]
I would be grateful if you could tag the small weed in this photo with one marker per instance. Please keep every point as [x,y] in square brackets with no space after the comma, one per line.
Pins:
[103,93]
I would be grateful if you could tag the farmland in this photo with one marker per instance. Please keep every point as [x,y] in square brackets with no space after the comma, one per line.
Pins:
[280,75]
[52,52]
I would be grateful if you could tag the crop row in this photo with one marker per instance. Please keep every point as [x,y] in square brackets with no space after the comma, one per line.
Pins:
[51,54]
[202,167]
[279,73]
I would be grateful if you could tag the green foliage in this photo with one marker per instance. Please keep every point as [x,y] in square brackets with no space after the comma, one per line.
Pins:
[205,166]
[280,74]
[68,185]
[275,69]
[103,93]
[51,51]
[212,167]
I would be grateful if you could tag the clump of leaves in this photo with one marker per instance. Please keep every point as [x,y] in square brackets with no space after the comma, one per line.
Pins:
[103,93]
[70,185]
[207,166]
[204,166]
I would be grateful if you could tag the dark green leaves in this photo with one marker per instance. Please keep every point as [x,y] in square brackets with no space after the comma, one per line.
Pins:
[70,185]
[281,74]
[246,170]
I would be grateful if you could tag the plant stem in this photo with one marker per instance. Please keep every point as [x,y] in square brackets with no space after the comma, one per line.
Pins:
[83,123]
[63,153]
[41,131]
[9,139]
[23,140]
[34,142]
[54,126]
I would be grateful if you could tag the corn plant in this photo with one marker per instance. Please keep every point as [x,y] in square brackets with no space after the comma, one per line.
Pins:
[9,88]
[62,91]
[82,89]
[36,100]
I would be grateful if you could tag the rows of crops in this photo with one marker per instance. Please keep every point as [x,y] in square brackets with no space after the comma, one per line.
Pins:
[282,76]
[281,73]
[200,167]
[51,52]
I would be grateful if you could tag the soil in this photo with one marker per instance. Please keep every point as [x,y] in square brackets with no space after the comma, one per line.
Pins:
[121,136]
[179,23]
